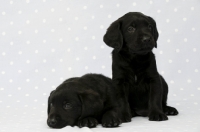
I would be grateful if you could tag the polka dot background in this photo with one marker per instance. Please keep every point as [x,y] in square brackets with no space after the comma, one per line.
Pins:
[44,42]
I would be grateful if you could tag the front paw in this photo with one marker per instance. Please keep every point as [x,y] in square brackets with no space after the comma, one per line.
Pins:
[126,117]
[88,122]
[110,120]
[126,113]
[157,116]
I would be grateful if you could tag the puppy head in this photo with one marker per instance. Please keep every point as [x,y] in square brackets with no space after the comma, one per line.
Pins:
[68,104]
[134,31]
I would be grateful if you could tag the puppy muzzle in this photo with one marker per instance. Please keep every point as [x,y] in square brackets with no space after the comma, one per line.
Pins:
[141,50]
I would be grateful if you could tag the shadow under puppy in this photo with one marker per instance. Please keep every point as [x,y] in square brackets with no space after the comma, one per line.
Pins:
[133,36]
[85,101]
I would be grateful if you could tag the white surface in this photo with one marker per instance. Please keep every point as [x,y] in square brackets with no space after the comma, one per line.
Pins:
[43,42]
[34,120]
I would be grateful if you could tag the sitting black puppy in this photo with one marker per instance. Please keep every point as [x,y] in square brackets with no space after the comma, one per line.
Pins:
[85,101]
[133,36]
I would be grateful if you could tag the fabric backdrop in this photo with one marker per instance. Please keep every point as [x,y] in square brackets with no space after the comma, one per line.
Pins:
[44,42]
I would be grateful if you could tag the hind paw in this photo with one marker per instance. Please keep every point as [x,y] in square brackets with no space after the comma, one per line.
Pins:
[170,110]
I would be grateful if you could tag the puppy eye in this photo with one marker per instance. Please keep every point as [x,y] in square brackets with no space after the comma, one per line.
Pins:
[150,27]
[51,105]
[131,29]
[67,106]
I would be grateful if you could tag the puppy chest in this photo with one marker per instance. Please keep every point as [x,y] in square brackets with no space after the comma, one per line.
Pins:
[139,93]
[137,75]
[138,83]
[134,79]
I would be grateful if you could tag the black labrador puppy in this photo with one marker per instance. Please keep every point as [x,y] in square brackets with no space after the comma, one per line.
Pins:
[134,71]
[85,101]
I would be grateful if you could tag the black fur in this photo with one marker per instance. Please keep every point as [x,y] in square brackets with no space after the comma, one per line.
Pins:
[85,101]
[133,36]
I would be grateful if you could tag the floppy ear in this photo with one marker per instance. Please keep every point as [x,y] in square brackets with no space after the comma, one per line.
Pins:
[113,36]
[92,103]
[155,31]
[48,109]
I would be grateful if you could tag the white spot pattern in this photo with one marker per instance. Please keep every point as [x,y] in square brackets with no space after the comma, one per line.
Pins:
[45,42]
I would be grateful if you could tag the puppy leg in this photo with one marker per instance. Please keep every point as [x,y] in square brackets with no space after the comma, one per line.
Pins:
[170,110]
[122,89]
[126,113]
[155,101]
[88,122]
[111,119]
[167,109]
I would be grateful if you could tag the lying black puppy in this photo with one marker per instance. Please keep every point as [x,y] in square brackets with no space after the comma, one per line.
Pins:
[85,101]
[133,36]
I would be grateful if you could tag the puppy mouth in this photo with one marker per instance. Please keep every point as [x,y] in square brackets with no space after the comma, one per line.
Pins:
[140,51]
[60,124]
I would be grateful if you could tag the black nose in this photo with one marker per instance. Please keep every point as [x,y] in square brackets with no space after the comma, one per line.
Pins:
[52,122]
[146,39]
